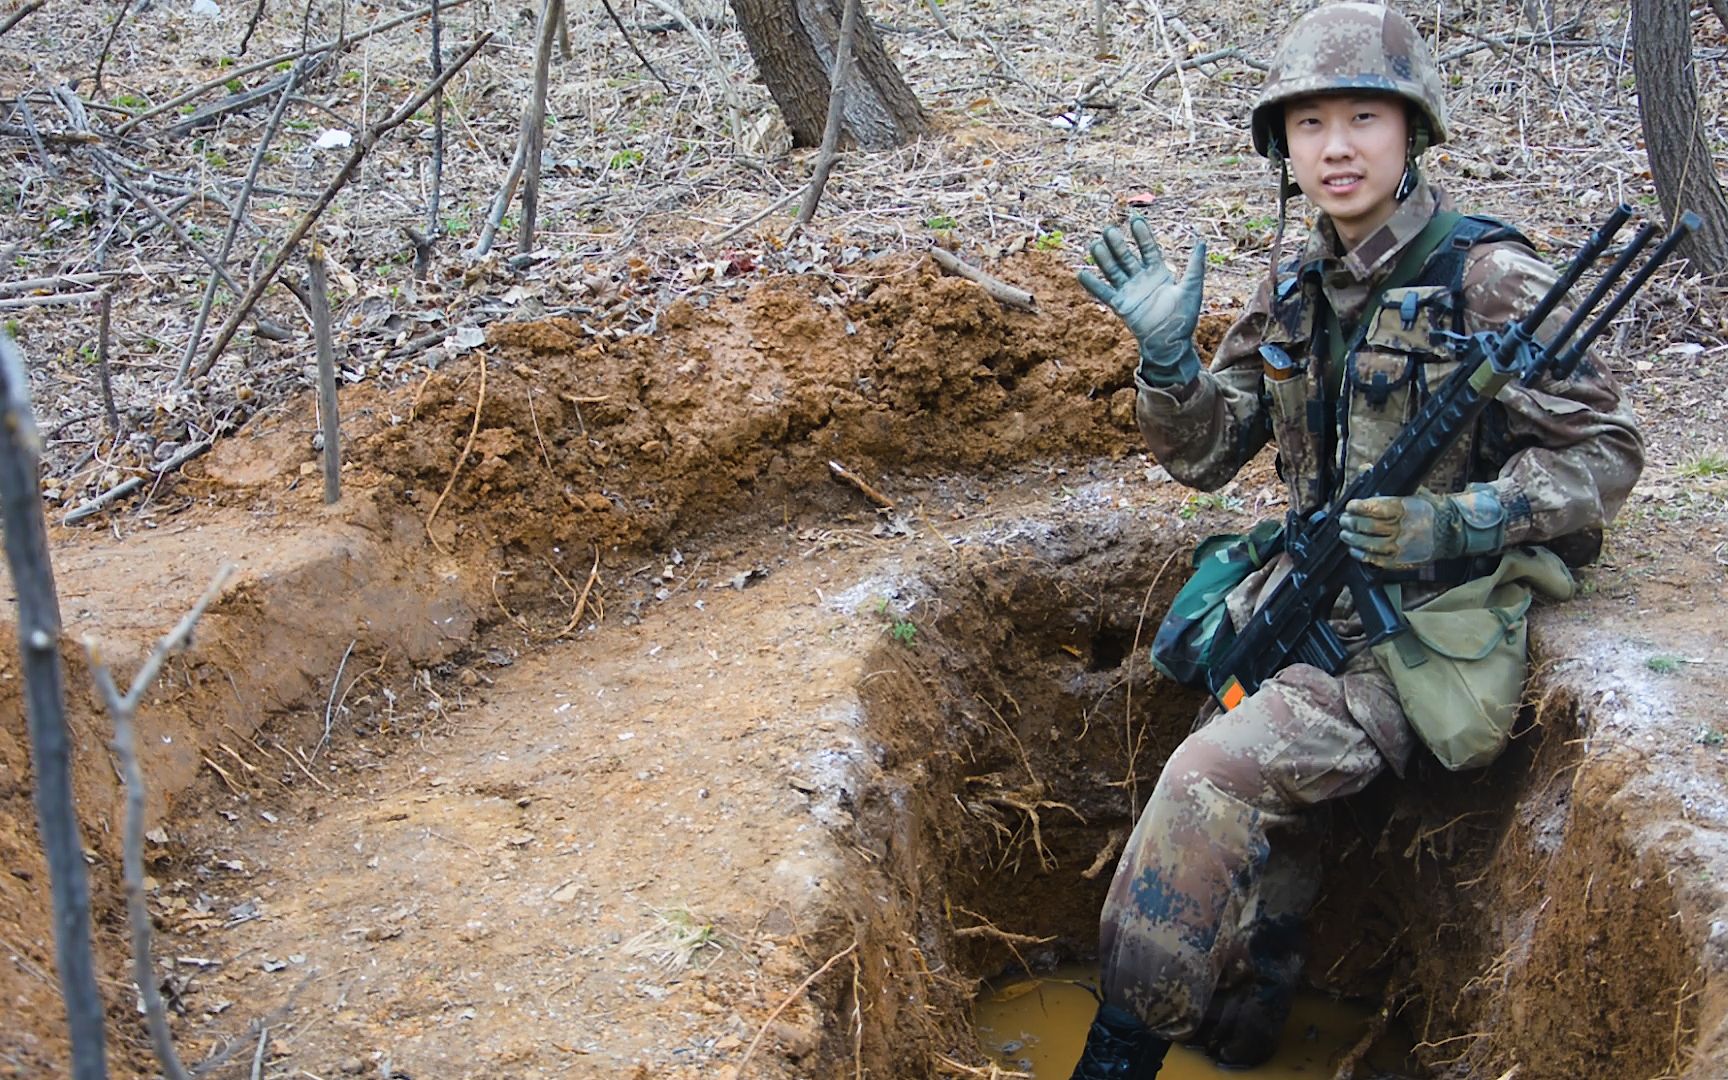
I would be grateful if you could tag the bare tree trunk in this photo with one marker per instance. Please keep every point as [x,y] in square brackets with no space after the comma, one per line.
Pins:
[26,541]
[795,44]
[1674,129]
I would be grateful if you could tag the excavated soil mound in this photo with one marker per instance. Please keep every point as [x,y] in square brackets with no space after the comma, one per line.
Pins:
[601,730]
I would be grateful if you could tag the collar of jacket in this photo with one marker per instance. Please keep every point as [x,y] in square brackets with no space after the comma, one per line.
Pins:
[1376,253]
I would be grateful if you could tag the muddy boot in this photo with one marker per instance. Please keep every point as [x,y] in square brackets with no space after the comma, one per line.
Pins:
[1119,1047]
[1247,1022]
[1249,1026]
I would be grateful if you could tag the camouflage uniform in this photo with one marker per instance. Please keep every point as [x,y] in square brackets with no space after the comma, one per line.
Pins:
[1204,913]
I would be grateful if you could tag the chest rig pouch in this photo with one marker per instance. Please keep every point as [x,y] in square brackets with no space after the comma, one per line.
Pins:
[1338,397]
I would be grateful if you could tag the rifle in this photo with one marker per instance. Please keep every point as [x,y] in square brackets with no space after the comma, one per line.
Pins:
[1291,626]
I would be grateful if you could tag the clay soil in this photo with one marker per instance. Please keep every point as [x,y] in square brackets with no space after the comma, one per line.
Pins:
[603,729]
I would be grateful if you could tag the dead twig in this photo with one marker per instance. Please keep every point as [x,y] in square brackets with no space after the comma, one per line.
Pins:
[529,136]
[750,1051]
[122,708]
[831,127]
[113,29]
[18,16]
[51,300]
[238,214]
[104,379]
[423,251]
[126,487]
[534,131]
[467,447]
[361,146]
[36,137]
[329,421]
[330,703]
[1189,63]
[59,281]
[340,43]
[1001,291]
[772,207]
[630,41]
[842,472]
[251,25]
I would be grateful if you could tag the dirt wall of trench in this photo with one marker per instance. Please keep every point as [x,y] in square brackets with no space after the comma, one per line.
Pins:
[1511,919]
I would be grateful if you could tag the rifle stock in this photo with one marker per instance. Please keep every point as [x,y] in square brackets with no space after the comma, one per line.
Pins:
[1292,625]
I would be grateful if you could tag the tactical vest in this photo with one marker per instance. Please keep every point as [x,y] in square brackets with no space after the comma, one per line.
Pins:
[1337,396]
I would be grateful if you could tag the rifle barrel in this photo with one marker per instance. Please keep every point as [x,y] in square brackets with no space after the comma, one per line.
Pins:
[1594,247]
[1564,364]
[1609,277]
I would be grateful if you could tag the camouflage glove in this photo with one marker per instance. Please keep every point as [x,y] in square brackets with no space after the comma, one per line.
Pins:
[1159,311]
[1410,532]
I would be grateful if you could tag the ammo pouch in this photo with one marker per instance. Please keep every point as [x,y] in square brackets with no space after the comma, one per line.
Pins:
[1459,670]
[1197,631]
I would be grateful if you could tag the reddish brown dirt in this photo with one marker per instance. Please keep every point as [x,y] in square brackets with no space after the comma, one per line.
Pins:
[667,740]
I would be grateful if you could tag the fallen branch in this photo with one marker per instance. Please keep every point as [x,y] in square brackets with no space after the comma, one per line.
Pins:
[1002,291]
[38,623]
[266,327]
[126,487]
[122,710]
[18,16]
[341,44]
[721,238]
[51,300]
[1169,68]
[59,281]
[361,146]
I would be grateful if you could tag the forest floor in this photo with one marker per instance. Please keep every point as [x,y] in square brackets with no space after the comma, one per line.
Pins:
[602,730]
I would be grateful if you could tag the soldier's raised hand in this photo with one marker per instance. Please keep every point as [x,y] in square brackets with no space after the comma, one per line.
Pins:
[1158,310]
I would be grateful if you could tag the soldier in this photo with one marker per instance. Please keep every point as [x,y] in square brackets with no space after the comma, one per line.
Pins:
[1200,936]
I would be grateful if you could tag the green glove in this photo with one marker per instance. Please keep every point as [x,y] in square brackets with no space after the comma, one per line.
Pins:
[1159,311]
[1413,531]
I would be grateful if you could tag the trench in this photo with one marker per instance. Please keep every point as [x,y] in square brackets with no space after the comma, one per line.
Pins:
[1492,920]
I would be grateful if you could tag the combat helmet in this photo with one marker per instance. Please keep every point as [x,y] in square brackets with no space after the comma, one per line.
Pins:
[1350,46]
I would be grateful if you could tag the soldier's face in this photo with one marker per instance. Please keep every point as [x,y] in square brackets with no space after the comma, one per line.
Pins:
[1347,153]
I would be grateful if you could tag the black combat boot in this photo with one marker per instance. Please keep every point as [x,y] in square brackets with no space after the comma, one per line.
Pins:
[1120,1047]
[1246,1021]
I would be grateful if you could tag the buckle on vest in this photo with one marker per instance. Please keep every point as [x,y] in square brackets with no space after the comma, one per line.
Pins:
[1407,310]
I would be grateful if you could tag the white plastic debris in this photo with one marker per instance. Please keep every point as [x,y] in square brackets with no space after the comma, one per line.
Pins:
[206,8]
[333,139]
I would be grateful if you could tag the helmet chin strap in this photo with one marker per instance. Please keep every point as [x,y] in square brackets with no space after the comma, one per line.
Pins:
[1412,171]
[1277,148]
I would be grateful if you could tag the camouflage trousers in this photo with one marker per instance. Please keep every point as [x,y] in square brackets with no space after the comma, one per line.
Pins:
[1222,867]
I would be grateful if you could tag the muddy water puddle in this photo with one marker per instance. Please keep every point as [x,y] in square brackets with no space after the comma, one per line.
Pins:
[1038,1026]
